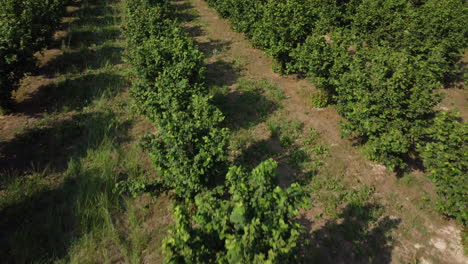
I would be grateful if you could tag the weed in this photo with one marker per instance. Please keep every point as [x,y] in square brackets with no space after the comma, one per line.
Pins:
[240,62]
[273,91]
[408,180]
[311,137]
[297,157]
[285,141]
[320,150]
[274,127]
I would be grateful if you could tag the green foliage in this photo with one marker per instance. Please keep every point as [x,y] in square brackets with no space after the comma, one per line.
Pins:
[189,147]
[380,61]
[26,26]
[244,14]
[388,101]
[283,24]
[320,98]
[253,225]
[321,58]
[445,155]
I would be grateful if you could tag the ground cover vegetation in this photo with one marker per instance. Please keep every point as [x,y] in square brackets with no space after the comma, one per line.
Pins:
[58,174]
[26,26]
[382,64]
[223,213]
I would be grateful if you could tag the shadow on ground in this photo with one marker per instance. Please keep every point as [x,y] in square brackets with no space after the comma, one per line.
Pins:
[43,177]
[212,48]
[44,225]
[88,46]
[185,11]
[194,31]
[221,73]
[244,108]
[356,236]
[72,94]
[50,145]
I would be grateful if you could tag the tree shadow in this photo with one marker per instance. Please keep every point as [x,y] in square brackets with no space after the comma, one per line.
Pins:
[40,222]
[244,108]
[99,21]
[95,27]
[210,47]
[92,48]
[250,155]
[39,219]
[50,145]
[213,47]
[185,11]
[221,73]
[88,38]
[44,225]
[96,8]
[194,30]
[83,59]
[72,94]
[357,236]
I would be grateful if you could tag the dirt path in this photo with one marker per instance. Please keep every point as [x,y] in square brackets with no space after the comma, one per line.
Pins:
[421,235]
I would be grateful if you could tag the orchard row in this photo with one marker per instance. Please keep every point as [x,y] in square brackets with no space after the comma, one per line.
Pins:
[26,26]
[382,63]
[223,214]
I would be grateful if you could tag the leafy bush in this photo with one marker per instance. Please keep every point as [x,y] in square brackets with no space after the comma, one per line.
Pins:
[387,100]
[26,26]
[380,60]
[170,70]
[253,225]
[244,14]
[189,147]
[282,26]
[445,155]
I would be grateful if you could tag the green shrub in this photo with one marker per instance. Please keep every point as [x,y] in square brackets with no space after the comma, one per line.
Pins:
[189,147]
[254,225]
[320,98]
[380,61]
[388,101]
[445,155]
[244,14]
[282,26]
[26,26]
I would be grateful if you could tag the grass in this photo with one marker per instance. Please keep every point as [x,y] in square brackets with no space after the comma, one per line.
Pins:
[58,202]
[350,216]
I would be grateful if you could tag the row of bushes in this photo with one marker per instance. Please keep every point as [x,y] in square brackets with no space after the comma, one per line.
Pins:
[189,147]
[381,62]
[222,213]
[26,26]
